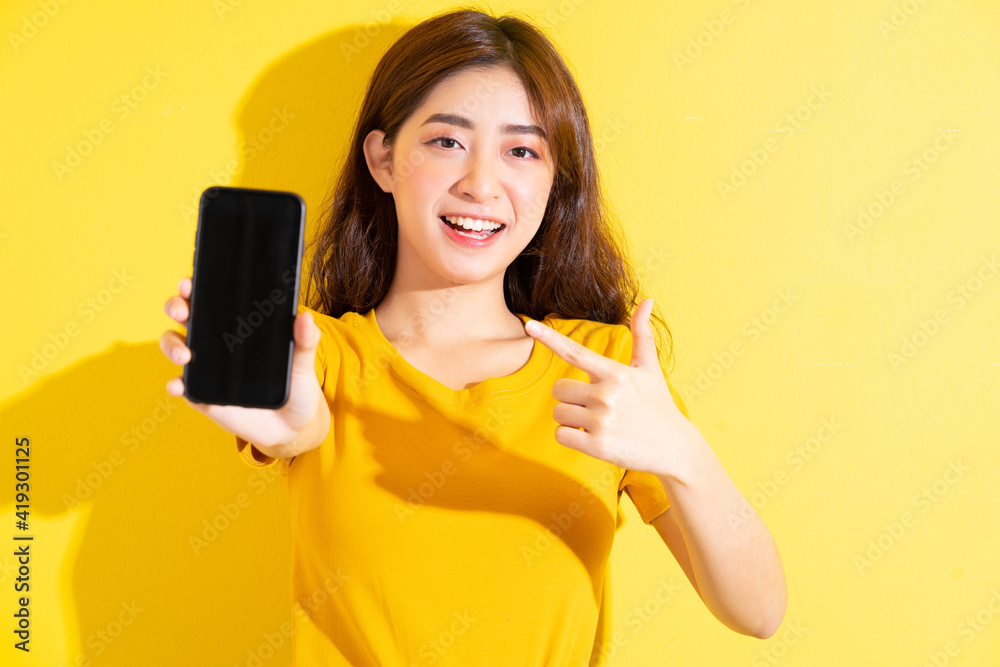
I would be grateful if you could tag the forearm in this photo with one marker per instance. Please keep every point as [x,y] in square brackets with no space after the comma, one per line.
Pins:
[733,556]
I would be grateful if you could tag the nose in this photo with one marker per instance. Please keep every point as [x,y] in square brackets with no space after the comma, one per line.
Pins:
[481,181]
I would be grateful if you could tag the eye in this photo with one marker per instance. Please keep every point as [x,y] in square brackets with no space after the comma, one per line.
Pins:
[523,152]
[444,142]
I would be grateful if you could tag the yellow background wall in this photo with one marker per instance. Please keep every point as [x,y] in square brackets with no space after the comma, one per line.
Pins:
[844,368]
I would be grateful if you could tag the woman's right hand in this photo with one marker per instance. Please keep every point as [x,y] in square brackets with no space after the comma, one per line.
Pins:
[301,424]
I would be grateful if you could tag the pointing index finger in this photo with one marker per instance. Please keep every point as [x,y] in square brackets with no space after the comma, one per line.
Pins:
[570,351]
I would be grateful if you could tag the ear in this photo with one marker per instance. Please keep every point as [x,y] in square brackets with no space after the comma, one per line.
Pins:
[379,159]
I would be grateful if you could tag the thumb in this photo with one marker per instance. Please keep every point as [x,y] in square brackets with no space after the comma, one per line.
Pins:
[307,336]
[643,344]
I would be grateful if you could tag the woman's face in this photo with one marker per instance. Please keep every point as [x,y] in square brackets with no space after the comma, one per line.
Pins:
[472,149]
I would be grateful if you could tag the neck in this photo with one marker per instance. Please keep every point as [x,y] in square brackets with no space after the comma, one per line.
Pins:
[442,316]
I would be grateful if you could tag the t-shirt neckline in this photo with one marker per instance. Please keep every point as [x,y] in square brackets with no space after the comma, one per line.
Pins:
[521,380]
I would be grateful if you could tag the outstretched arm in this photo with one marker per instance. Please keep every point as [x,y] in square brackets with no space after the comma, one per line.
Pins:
[626,415]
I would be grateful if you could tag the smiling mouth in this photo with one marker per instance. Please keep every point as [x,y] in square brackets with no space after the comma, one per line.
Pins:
[471,233]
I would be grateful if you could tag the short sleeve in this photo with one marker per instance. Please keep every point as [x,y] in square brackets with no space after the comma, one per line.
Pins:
[250,454]
[646,492]
[644,488]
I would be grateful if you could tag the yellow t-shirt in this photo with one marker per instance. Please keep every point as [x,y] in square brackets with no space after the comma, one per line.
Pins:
[444,527]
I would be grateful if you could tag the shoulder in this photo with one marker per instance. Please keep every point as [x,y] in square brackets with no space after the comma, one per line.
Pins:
[324,321]
[347,326]
[342,338]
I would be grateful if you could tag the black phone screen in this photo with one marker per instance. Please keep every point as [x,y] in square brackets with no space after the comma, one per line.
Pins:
[244,297]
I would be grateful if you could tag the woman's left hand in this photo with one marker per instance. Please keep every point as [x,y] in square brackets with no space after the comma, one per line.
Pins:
[627,413]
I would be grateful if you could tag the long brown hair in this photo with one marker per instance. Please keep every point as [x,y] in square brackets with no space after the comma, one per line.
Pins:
[573,267]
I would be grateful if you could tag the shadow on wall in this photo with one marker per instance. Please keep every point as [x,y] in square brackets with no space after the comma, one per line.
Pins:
[181,551]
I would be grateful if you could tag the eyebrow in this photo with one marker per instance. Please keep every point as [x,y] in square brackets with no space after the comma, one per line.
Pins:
[462,121]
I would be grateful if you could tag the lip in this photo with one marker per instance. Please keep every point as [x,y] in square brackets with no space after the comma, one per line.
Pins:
[470,242]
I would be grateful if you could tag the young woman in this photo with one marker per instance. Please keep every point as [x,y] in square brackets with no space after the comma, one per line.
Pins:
[454,469]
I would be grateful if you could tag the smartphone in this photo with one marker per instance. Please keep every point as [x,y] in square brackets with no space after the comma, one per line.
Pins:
[244,297]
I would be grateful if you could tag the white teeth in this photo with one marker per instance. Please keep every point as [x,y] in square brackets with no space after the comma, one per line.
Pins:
[472,223]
